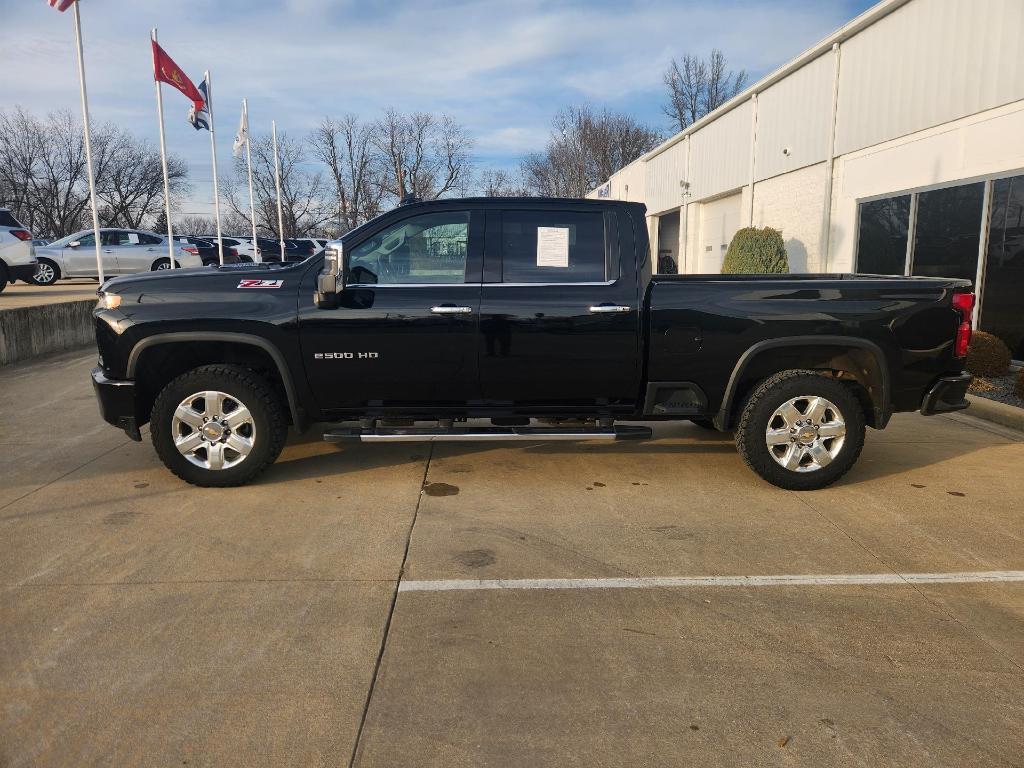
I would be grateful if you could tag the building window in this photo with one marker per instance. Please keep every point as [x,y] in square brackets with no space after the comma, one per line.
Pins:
[1002,309]
[947,232]
[882,240]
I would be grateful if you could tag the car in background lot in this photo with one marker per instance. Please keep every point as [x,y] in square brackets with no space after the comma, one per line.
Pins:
[206,249]
[42,240]
[304,248]
[243,245]
[17,253]
[316,243]
[124,252]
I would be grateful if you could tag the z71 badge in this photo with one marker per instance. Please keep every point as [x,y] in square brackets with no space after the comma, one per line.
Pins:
[260,283]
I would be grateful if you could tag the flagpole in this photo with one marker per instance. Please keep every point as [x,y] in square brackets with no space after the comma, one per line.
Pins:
[248,162]
[88,143]
[277,183]
[213,152]
[163,160]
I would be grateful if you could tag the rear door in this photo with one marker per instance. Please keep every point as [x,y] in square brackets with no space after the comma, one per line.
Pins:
[559,310]
[404,334]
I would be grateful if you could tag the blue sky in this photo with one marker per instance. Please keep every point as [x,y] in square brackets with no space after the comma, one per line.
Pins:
[500,68]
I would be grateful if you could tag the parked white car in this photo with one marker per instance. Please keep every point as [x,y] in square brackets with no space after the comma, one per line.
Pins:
[124,252]
[17,253]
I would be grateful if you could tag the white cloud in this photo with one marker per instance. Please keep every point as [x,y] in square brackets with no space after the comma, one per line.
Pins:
[500,68]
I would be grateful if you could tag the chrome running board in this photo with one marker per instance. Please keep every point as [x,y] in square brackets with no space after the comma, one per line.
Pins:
[477,434]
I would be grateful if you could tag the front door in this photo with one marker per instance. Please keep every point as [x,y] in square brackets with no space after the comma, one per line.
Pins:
[559,314]
[81,260]
[403,336]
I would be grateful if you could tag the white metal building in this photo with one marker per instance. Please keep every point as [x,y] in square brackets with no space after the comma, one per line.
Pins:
[894,146]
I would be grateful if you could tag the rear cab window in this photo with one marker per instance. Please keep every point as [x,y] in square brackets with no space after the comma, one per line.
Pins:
[8,220]
[553,247]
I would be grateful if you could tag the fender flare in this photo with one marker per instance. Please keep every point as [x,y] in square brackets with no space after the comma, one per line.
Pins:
[237,338]
[882,409]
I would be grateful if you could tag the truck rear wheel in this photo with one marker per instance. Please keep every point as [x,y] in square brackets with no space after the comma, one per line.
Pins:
[801,430]
[218,425]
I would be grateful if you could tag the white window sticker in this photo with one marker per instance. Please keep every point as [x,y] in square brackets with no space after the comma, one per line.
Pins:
[133,239]
[553,247]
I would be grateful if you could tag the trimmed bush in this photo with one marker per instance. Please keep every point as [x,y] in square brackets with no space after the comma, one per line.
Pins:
[988,355]
[756,251]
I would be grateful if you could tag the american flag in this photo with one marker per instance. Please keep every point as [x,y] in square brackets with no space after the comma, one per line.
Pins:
[60,5]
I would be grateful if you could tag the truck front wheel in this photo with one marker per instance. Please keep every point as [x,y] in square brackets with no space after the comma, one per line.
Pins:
[801,430]
[218,425]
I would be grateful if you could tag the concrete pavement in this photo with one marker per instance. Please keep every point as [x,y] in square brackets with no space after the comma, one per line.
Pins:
[147,622]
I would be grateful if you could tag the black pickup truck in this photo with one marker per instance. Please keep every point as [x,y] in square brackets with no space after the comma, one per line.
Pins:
[519,319]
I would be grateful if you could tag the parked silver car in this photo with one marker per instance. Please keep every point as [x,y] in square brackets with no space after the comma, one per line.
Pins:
[124,251]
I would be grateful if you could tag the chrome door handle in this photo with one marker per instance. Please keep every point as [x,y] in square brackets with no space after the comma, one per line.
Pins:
[448,309]
[107,250]
[600,309]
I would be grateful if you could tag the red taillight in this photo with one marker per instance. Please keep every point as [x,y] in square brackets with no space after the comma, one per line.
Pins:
[191,249]
[22,234]
[964,304]
[233,253]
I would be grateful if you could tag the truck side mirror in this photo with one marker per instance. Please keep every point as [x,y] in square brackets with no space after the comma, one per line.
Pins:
[331,280]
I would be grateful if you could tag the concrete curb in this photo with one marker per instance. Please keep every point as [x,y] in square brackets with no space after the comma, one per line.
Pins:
[996,412]
[27,332]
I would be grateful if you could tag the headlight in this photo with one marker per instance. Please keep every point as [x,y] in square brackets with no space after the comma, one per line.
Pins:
[109,301]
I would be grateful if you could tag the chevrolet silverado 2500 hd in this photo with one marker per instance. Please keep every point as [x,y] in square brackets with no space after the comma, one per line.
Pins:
[539,315]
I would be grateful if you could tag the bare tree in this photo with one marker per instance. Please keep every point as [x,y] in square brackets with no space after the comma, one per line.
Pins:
[698,86]
[131,184]
[305,200]
[497,182]
[346,147]
[422,155]
[584,149]
[43,174]
[194,225]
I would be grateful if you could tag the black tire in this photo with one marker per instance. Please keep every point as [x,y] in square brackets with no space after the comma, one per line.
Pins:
[759,410]
[4,276]
[704,423]
[53,272]
[164,263]
[246,387]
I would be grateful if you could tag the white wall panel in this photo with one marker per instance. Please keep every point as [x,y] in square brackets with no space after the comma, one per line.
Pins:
[795,114]
[719,221]
[794,204]
[927,63]
[664,172]
[720,154]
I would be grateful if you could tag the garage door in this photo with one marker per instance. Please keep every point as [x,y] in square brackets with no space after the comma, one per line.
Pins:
[719,221]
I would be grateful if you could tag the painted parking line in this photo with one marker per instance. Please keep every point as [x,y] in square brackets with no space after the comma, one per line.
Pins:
[649,582]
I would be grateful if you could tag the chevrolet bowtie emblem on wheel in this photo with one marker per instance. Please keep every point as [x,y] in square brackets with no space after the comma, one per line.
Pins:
[345,356]
[260,283]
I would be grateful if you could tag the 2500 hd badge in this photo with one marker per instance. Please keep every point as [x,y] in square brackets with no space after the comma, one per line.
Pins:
[345,355]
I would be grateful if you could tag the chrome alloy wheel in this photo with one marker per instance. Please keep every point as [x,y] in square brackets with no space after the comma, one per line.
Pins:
[45,273]
[213,430]
[805,434]
[163,265]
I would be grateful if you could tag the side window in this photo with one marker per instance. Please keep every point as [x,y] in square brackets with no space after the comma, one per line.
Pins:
[552,247]
[149,239]
[430,248]
[89,239]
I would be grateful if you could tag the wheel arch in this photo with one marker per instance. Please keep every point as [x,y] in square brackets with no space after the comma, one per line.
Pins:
[856,359]
[203,344]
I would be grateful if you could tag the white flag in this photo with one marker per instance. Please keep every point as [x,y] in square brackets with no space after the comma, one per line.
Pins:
[242,136]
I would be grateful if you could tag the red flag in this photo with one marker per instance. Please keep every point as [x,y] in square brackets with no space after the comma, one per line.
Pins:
[166,71]
[61,5]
